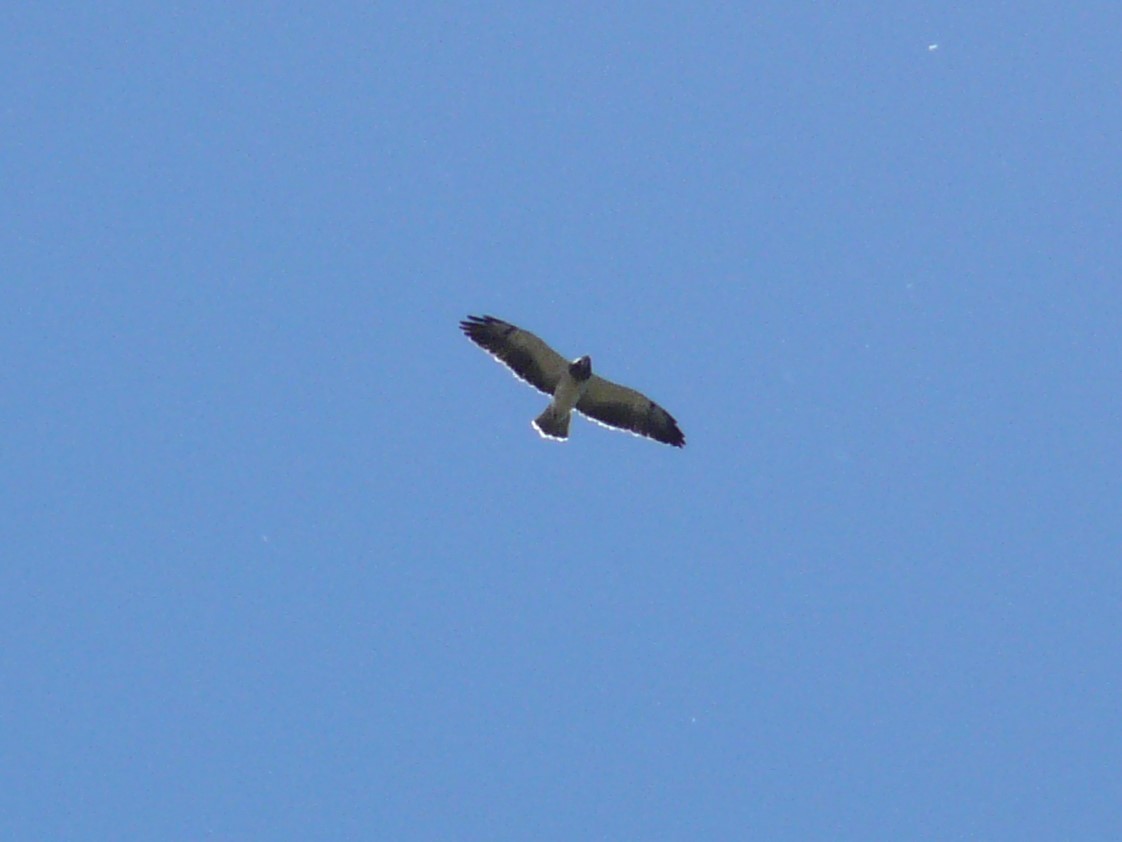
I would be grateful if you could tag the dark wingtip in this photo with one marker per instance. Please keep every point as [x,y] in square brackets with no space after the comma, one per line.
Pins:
[673,437]
[472,323]
[672,433]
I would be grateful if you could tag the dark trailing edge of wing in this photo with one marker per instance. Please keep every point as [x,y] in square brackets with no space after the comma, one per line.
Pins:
[495,337]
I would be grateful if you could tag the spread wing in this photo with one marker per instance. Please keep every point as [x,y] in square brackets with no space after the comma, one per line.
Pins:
[625,409]
[519,350]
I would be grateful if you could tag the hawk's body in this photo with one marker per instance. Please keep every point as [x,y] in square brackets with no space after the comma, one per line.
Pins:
[572,385]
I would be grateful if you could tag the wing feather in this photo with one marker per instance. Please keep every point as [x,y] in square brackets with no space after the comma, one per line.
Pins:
[519,350]
[625,409]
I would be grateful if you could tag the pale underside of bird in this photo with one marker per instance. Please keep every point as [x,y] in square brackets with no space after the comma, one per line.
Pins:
[572,385]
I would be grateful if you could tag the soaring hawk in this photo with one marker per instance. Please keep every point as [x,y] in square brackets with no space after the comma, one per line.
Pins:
[572,385]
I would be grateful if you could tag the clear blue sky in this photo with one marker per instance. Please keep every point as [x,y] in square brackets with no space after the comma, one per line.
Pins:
[283,558]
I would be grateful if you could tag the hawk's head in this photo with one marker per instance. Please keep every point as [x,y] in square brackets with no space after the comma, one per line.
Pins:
[581,369]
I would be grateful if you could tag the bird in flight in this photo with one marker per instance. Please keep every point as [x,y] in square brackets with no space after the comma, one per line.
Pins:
[571,384]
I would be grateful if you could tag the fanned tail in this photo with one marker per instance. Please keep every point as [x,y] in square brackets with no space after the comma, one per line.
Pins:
[553,425]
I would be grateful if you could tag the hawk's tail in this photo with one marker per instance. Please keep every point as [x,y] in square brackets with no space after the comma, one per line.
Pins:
[552,424]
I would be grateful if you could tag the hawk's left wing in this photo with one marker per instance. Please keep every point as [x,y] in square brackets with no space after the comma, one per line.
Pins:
[625,409]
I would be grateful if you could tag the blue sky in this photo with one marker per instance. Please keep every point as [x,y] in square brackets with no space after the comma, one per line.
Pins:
[285,560]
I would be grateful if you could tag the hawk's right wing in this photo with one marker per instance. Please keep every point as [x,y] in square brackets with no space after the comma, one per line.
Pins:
[519,350]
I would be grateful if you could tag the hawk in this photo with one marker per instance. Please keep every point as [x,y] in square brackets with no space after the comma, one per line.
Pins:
[572,385]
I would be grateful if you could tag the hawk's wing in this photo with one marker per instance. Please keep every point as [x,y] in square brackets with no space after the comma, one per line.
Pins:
[517,349]
[623,408]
